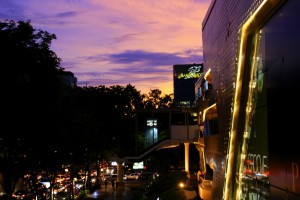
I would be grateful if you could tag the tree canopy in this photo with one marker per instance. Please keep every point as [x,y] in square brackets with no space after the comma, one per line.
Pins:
[45,121]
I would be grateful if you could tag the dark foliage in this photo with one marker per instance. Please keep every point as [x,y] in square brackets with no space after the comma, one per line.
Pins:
[47,123]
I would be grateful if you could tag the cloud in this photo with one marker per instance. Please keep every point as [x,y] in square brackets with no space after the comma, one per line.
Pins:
[138,67]
[118,42]
[66,14]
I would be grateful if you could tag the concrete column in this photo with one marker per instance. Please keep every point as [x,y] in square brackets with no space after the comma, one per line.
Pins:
[187,158]
[119,172]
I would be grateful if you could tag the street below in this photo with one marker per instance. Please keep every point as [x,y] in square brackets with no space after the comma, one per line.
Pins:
[120,192]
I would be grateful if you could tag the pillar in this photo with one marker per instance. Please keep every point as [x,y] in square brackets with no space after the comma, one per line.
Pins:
[119,172]
[186,158]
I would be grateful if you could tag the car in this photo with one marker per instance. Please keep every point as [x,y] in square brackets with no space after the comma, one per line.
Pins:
[132,176]
[22,194]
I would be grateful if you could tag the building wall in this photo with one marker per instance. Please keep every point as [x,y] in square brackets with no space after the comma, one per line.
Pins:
[255,126]
[219,37]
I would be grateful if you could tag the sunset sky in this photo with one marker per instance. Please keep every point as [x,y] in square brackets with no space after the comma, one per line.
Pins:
[118,42]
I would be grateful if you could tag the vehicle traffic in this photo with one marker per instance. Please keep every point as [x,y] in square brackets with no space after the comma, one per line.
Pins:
[132,176]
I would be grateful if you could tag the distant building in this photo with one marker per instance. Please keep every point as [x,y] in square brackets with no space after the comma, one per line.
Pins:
[184,79]
[69,79]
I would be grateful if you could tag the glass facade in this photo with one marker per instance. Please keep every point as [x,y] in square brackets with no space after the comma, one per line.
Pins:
[252,48]
[270,68]
[255,166]
[270,170]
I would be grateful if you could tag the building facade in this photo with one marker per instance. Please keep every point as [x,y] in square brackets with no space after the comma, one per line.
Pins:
[184,78]
[247,100]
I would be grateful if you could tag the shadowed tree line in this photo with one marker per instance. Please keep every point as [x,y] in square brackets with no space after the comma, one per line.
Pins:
[46,122]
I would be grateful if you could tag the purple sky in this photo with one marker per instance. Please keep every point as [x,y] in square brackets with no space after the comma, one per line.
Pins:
[118,42]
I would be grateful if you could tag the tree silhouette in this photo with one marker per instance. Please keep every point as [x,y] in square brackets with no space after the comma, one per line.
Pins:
[32,91]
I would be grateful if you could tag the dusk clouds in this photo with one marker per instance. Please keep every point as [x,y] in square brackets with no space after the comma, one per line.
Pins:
[118,42]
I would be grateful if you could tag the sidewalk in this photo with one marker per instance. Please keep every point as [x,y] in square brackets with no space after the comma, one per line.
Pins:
[123,192]
[112,193]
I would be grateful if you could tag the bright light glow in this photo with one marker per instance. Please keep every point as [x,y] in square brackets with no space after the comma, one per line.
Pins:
[138,165]
[151,122]
[236,107]
[207,75]
[192,72]
[207,109]
[47,184]
[96,194]
[181,185]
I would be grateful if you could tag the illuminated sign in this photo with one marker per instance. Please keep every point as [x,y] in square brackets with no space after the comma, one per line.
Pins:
[138,165]
[151,122]
[188,71]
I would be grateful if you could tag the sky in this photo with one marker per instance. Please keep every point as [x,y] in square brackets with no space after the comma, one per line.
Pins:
[118,42]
